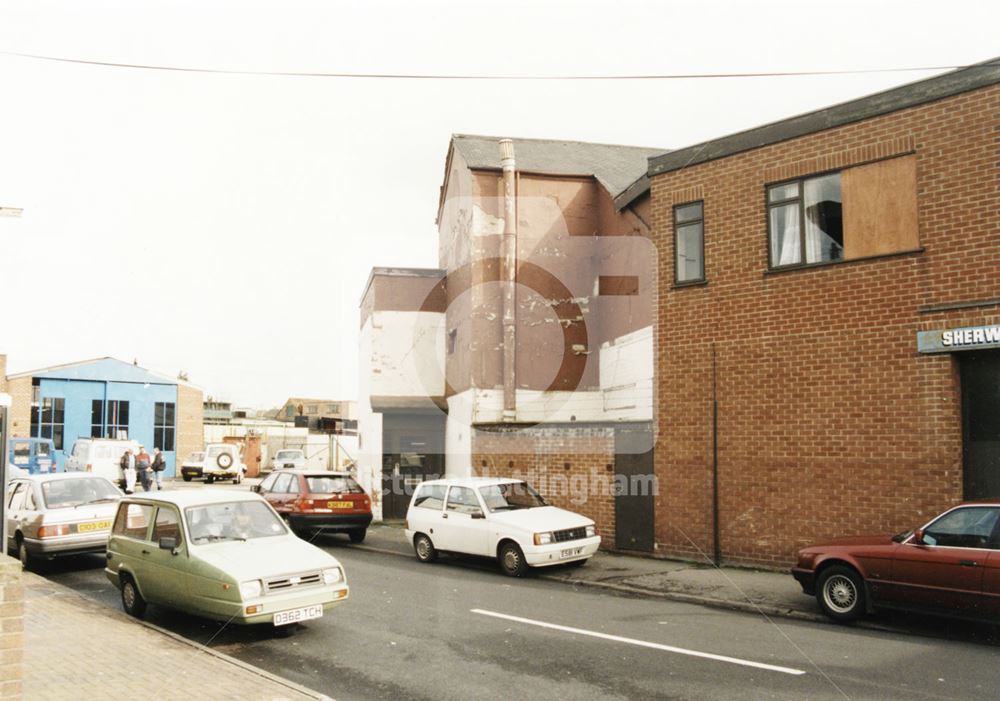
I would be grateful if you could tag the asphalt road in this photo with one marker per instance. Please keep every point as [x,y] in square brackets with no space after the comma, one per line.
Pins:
[458,629]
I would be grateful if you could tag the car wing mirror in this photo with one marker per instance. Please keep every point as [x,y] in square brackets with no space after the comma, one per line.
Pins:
[255,488]
[918,536]
[168,543]
[478,514]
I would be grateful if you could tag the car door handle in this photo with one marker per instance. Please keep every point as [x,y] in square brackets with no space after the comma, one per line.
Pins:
[968,563]
[145,552]
[108,556]
[444,515]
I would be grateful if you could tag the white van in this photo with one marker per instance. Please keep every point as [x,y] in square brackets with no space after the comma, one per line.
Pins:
[99,456]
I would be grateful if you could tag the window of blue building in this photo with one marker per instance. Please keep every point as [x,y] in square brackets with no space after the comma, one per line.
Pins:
[48,418]
[163,426]
[117,419]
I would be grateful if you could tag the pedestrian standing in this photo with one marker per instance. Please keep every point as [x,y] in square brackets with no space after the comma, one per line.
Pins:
[128,470]
[142,466]
[159,465]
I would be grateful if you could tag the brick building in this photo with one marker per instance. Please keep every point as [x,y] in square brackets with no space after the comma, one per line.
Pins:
[528,352]
[828,323]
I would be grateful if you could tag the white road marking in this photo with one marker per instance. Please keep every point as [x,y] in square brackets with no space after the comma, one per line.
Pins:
[643,643]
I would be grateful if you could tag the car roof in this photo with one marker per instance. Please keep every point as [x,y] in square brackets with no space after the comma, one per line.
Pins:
[193,497]
[314,473]
[472,481]
[56,476]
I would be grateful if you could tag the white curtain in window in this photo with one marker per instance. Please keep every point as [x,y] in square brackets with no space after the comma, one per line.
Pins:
[785,245]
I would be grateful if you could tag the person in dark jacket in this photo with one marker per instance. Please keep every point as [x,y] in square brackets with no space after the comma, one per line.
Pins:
[159,465]
[142,466]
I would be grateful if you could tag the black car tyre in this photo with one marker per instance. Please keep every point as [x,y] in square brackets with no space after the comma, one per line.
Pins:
[358,535]
[239,477]
[132,600]
[424,548]
[27,561]
[186,478]
[210,479]
[512,560]
[840,592]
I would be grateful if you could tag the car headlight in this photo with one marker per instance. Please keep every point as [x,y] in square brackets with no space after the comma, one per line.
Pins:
[251,590]
[591,531]
[543,538]
[333,575]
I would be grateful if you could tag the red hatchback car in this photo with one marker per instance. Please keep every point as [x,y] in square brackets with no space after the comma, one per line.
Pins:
[319,501]
[950,566]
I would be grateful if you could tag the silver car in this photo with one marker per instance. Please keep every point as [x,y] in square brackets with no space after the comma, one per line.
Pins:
[59,514]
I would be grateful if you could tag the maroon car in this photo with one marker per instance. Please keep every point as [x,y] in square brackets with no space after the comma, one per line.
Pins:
[315,501]
[950,566]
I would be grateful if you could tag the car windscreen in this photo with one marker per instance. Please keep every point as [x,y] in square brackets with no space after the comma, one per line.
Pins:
[509,496]
[59,494]
[196,457]
[234,520]
[333,485]
[288,454]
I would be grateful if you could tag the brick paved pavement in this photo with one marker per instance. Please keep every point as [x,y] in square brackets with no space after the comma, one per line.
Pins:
[75,648]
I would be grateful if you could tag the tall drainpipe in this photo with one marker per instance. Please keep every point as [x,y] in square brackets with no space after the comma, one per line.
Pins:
[508,277]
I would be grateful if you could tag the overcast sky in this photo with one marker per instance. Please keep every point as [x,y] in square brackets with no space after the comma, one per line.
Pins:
[226,224]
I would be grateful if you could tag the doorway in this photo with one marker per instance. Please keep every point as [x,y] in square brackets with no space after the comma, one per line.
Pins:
[412,451]
[634,505]
[981,424]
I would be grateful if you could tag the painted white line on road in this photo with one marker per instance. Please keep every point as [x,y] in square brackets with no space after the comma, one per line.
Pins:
[643,643]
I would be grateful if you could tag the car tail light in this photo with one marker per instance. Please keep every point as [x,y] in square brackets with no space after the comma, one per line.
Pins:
[90,468]
[53,531]
[304,504]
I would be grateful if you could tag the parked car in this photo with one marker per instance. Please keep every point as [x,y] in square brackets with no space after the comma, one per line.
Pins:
[221,461]
[289,458]
[59,514]
[223,555]
[195,461]
[496,517]
[34,455]
[949,566]
[319,501]
[101,457]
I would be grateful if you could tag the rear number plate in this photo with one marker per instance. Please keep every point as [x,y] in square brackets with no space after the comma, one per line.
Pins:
[339,505]
[283,618]
[97,526]
[571,552]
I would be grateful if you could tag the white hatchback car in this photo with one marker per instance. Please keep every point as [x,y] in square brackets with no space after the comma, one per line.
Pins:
[499,518]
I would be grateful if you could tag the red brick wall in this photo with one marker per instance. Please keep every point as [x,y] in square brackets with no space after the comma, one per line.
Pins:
[573,468]
[830,422]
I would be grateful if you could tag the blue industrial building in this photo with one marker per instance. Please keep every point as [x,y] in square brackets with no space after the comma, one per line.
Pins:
[106,398]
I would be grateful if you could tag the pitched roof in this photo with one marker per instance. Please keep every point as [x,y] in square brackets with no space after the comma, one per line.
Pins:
[102,369]
[614,166]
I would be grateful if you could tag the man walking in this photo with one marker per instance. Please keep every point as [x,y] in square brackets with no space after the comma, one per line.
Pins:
[159,465]
[142,467]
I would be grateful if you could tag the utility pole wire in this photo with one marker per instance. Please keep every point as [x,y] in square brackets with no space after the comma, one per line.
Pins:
[474,76]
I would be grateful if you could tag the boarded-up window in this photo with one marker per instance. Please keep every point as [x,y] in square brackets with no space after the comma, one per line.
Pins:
[618,285]
[880,207]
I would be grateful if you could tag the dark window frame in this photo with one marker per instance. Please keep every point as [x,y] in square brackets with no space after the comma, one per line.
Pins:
[48,420]
[677,227]
[800,200]
[164,430]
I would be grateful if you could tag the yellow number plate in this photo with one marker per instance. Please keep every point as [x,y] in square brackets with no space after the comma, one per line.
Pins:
[339,505]
[96,526]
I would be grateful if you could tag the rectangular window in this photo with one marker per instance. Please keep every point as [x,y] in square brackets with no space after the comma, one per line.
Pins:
[48,419]
[117,418]
[689,242]
[97,418]
[163,426]
[805,221]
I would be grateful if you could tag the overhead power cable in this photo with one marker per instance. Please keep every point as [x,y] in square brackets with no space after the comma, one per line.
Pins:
[476,76]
